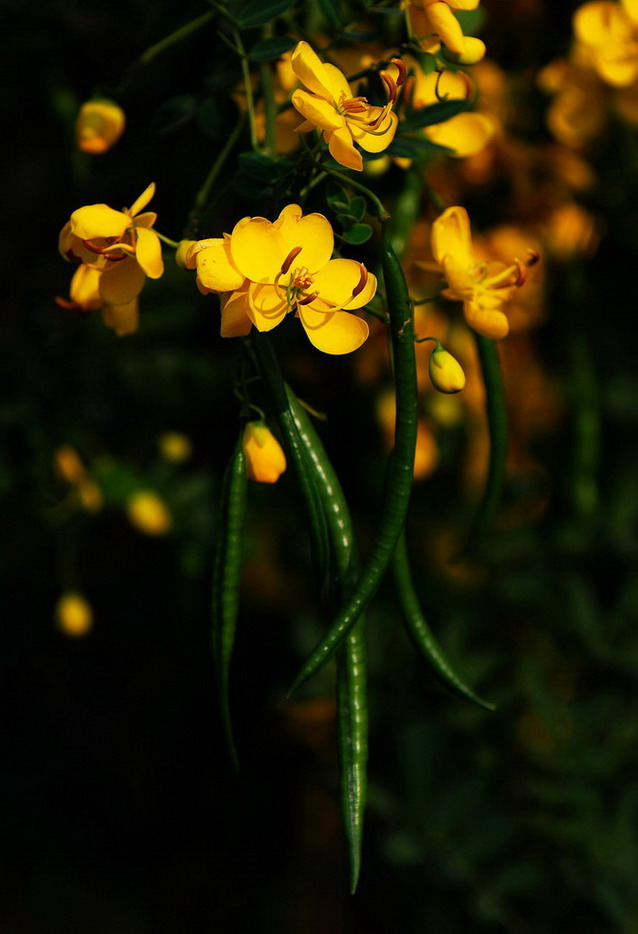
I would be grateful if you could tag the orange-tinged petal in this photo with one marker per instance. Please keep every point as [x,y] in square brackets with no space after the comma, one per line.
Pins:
[257,249]
[148,252]
[490,322]
[122,282]
[235,317]
[451,235]
[342,149]
[335,333]
[99,125]
[98,220]
[310,70]
[380,139]
[266,306]
[320,112]
[215,267]
[466,134]
[123,319]
[312,232]
[143,200]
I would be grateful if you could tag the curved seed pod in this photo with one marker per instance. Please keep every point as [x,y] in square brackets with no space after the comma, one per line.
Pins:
[401,464]
[421,634]
[226,578]
[352,704]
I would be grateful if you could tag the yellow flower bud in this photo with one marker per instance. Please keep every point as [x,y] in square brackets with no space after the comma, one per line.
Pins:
[265,459]
[99,125]
[445,371]
[68,465]
[148,513]
[182,249]
[74,615]
[175,447]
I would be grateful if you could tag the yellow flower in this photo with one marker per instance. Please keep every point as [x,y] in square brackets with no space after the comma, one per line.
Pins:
[85,297]
[465,133]
[120,246]
[265,459]
[99,125]
[175,447]
[266,270]
[607,32]
[328,105]
[148,513]
[432,22]
[482,287]
[74,615]
[446,373]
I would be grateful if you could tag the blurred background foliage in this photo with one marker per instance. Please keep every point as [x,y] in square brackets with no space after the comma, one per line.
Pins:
[119,811]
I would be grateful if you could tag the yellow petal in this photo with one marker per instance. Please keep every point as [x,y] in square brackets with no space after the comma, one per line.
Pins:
[257,249]
[457,274]
[337,83]
[235,317]
[600,23]
[420,27]
[99,125]
[451,235]
[446,25]
[631,9]
[313,233]
[265,459]
[123,319]
[490,322]
[335,333]
[266,306]
[121,282]
[466,134]
[342,149]
[463,4]
[473,51]
[146,220]
[310,70]
[98,220]
[143,200]
[148,252]
[215,267]
[320,112]
[85,287]
[337,281]
[365,295]
[380,139]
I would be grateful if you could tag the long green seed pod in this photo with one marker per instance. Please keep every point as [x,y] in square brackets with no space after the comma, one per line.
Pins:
[226,578]
[352,704]
[421,634]
[401,465]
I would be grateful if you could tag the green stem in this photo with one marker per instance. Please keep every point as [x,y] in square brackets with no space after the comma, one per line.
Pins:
[167,240]
[405,212]
[175,37]
[270,108]
[203,194]
[497,428]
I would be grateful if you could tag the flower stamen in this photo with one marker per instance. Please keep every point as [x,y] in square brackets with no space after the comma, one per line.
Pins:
[287,263]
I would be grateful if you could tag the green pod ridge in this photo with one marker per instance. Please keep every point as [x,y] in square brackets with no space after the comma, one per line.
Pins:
[352,705]
[421,634]
[401,470]
[227,564]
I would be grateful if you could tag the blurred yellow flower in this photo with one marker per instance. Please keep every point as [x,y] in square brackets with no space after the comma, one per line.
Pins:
[99,125]
[265,459]
[608,32]
[483,288]
[70,468]
[328,105]
[148,513]
[175,447]
[119,247]
[432,22]
[74,615]
[465,133]
[265,270]
[446,373]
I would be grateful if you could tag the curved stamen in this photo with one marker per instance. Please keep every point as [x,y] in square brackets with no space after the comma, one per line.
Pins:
[361,284]
[308,298]
[287,263]
[399,64]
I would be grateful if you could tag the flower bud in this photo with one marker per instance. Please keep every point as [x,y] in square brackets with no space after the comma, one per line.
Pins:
[445,371]
[148,513]
[181,253]
[265,459]
[99,125]
[74,615]
[473,52]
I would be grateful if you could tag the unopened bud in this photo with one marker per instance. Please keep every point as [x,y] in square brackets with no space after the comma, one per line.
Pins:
[446,373]
[265,459]
[99,125]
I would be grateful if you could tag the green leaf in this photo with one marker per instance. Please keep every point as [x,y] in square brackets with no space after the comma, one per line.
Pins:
[360,233]
[368,35]
[358,207]
[258,12]
[346,220]
[331,9]
[410,147]
[173,114]
[268,49]
[471,20]
[336,196]
[435,113]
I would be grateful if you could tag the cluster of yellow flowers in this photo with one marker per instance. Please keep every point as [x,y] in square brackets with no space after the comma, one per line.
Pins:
[432,24]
